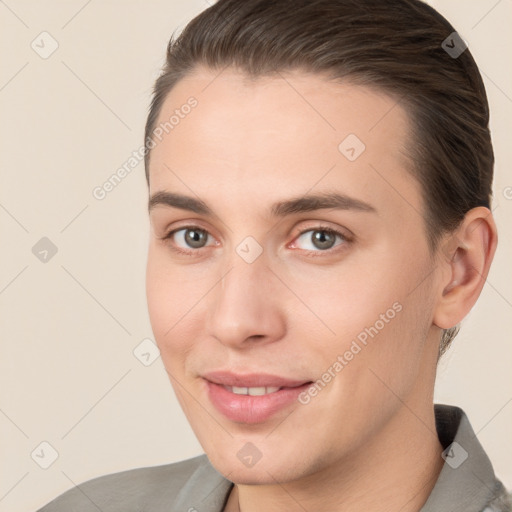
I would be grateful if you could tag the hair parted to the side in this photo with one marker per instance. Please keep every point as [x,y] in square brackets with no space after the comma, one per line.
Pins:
[394,46]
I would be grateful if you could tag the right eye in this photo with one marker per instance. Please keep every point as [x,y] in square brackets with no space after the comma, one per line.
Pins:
[188,239]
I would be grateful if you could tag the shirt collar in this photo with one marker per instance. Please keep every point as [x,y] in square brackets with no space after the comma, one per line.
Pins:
[467,481]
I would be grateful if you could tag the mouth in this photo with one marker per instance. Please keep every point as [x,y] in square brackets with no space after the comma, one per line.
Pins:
[251,398]
[257,391]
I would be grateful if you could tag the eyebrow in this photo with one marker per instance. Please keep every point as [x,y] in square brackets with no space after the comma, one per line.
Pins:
[306,203]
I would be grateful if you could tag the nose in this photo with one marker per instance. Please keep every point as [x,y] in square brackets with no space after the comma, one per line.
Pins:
[245,307]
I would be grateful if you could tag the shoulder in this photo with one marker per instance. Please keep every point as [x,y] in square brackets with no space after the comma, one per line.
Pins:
[136,490]
[502,501]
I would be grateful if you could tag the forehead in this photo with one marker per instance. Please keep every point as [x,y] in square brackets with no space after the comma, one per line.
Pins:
[290,132]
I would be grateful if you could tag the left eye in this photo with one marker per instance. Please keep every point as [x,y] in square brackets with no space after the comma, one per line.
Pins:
[320,239]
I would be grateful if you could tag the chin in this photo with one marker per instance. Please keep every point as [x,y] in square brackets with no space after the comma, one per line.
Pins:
[261,473]
[250,478]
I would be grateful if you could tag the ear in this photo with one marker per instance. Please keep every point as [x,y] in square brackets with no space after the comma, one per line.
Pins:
[466,256]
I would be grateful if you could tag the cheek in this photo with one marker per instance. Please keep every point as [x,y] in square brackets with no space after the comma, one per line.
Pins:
[347,300]
[158,297]
[392,350]
[166,299]
[174,298]
[373,305]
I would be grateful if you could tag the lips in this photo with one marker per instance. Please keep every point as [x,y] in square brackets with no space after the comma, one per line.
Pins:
[225,378]
[251,398]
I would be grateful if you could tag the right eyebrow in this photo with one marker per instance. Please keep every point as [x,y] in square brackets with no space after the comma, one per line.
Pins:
[179,201]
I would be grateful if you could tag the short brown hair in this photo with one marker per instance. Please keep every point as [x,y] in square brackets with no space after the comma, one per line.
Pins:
[393,45]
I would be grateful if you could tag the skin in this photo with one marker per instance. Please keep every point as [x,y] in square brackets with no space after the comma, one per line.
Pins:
[368,440]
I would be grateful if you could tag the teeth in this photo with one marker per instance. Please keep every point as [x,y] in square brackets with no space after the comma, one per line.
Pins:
[262,391]
[253,391]
[257,391]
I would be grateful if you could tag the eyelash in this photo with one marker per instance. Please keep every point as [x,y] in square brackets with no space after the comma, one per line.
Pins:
[193,252]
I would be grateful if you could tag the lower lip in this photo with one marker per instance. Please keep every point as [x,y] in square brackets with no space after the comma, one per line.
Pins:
[252,409]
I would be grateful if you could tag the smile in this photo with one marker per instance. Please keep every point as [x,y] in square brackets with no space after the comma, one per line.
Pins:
[251,398]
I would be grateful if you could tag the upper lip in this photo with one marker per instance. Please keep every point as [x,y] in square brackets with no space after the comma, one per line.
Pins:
[251,380]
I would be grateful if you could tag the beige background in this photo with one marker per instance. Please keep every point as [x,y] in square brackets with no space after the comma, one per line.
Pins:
[69,326]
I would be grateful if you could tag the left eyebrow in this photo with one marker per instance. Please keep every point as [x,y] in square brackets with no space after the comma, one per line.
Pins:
[306,203]
[322,201]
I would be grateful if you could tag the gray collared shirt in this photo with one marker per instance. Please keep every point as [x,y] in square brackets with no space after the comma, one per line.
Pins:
[466,483]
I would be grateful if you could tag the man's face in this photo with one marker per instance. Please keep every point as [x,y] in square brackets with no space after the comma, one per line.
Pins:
[267,301]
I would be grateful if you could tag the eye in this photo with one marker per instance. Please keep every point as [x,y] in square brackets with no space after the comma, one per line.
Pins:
[188,239]
[319,239]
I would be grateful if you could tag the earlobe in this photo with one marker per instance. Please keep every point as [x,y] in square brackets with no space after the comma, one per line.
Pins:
[470,250]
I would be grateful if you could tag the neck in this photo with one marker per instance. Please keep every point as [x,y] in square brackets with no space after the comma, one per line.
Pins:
[395,471]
